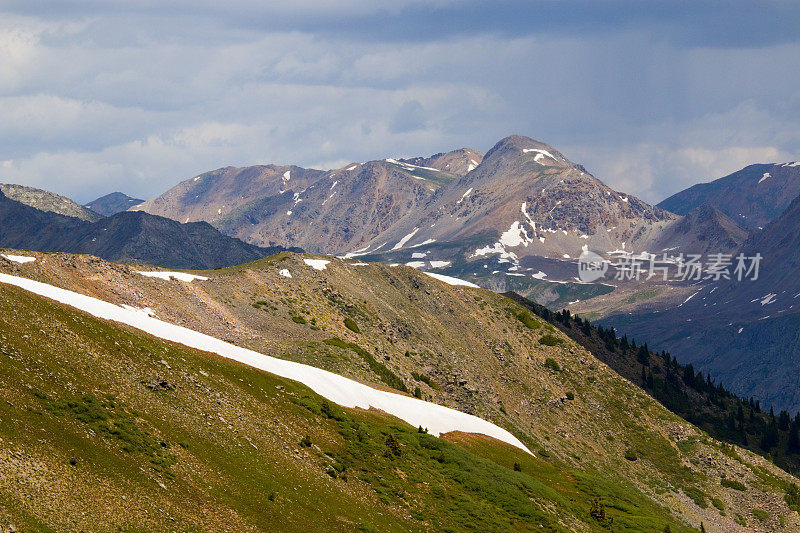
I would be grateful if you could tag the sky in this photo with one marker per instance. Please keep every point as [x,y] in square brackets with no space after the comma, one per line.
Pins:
[137,95]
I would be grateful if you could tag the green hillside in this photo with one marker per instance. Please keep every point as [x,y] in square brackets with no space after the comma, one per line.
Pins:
[105,428]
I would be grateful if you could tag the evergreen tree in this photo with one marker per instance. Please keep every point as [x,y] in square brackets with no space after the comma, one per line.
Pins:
[643,355]
[794,439]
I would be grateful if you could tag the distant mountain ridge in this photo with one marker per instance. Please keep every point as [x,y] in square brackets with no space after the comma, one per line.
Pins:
[48,201]
[522,198]
[746,333]
[125,237]
[752,196]
[703,230]
[113,203]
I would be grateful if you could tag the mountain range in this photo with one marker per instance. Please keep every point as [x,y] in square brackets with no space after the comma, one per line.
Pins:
[522,195]
[569,426]
[752,197]
[742,332]
[123,237]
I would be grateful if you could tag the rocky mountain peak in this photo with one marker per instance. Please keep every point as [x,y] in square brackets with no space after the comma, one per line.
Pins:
[48,202]
[514,145]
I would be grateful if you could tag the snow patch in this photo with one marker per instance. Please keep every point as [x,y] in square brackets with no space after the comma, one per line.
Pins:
[317,264]
[451,281]
[19,258]
[360,251]
[285,273]
[539,275]
[404,240]
[464,195]
[441,264]
[416,264]
[419,255]
[516,235]
[768,299]
[690,297]
[765,176]
[180,276]
[425,242]
[541,152]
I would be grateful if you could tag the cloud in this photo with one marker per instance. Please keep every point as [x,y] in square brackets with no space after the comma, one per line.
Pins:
[138,95]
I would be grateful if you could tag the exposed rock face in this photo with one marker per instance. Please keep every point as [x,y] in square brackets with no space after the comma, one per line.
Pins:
[526,198]
[214,196]
[339,211]
[113,203]
[703,230]
[523,197]
[48,201]
[752,197]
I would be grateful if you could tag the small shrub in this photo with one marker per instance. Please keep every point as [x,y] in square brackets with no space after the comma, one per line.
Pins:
[598,512]
[351,324]
[386,375]
[393,445]
[733,484]
[761,514]
[527,320]
[792,497]
[697,496]
[718,504]
[630,455]
[570,396]
[298,319]
[517,467]
[305,442]
[425,379]
[552,364]
[550,340]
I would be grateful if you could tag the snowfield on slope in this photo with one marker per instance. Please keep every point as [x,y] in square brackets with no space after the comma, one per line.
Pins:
[180,276]
[343,391]
[19,258]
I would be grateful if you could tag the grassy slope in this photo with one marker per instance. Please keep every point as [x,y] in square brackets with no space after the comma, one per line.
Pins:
[89,445]
[464,348]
